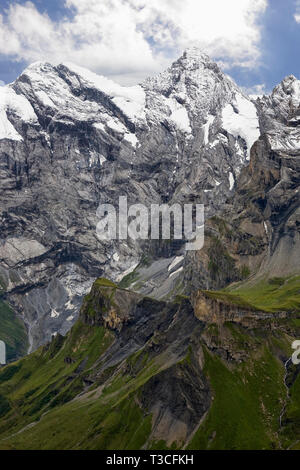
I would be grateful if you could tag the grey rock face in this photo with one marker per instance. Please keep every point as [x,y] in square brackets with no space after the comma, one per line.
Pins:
[271,183]
[257,233]
[70,140]
[278,203]
[280,115]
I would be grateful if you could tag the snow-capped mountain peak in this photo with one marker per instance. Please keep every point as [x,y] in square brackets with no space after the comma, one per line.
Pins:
[287,91]
[193,57]
[193,95]
[281,115]
[131,100]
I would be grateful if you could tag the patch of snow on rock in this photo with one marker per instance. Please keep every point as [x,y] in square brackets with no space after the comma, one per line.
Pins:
[179,115]
[243,123]
[132,138]
[116,126]
[128,271]
[45,99]
[206,127]
[231,181]
[176,272]
[131,100]
[7,130]
[17,105]
[100,126]
[54,313]
[176,261]
[296,92]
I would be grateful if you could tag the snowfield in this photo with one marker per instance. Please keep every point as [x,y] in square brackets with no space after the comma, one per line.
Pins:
[241,120]
[17,105]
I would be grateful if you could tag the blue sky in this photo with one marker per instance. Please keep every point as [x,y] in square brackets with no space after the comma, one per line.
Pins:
[257,41]
[279,47]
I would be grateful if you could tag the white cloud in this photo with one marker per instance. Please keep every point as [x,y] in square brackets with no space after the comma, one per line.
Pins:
[2,83]
[297,12]
[257,90]
[132,38]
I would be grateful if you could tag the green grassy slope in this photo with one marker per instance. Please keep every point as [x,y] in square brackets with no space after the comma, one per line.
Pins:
[42,404]
[276,294]
[267,295]
[244,414]
[247,404]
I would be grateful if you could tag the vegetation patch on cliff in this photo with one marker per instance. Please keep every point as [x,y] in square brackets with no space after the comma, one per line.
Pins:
[271,295]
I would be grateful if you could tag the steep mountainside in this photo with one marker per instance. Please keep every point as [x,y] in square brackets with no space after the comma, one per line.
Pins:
[257,234]
[70,139]
[137,373]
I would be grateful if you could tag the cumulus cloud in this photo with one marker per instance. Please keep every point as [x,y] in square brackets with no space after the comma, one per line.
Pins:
[2,83]
[129,39]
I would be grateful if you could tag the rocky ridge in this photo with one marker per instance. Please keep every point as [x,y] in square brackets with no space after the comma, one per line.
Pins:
[71,140]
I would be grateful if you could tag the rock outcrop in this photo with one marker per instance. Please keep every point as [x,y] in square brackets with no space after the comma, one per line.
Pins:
[257,234]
